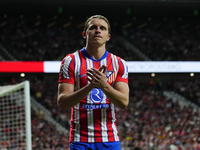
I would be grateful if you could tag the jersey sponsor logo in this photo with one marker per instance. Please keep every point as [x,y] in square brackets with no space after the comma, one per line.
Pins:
[96,95]
[95,106]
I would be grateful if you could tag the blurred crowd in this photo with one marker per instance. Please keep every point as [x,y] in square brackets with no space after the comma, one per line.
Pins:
[166,40]
[150,122]
[154,121]
[43,43]
[170,39]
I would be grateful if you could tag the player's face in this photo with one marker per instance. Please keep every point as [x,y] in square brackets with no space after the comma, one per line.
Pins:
[97,32]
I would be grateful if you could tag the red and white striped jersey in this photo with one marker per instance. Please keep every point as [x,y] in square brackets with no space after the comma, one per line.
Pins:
[93,119]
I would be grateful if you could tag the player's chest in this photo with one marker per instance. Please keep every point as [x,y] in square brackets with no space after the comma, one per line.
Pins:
[81,72]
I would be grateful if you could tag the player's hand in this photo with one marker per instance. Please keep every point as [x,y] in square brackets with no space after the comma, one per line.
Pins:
[97,76]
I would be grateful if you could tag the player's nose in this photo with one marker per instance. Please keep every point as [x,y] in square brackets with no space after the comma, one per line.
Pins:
[98,29]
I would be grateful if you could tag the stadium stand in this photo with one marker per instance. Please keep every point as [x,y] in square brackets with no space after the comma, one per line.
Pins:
[152,119]
[170,39]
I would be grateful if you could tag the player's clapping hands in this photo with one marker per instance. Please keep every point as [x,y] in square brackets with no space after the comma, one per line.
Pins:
[98,76]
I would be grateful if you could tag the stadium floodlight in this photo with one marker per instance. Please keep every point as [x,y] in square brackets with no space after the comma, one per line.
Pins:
[15,116]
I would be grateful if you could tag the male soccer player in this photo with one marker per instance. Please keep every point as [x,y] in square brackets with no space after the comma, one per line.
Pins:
[92,82]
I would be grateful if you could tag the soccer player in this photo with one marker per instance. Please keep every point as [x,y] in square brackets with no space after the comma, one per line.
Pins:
[92,82]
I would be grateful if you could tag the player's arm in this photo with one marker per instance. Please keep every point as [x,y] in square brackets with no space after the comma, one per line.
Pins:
[67,97]
[118,95]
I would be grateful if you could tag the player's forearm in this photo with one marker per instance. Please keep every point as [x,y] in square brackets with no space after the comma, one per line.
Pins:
[118,98]
[68,100]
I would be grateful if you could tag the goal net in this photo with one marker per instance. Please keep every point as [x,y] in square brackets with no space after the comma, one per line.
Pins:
[15,117]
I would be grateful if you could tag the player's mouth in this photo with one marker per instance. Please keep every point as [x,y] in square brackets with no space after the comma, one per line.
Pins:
[97,37]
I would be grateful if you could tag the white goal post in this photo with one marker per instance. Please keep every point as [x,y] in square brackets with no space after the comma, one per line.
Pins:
[15,116]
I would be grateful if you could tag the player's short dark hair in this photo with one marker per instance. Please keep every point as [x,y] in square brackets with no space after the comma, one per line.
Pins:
[98,17]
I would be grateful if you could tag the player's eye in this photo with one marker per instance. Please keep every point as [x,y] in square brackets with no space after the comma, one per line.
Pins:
[103,28]
[92,27]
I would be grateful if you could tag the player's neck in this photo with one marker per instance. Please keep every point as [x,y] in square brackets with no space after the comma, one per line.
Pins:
[95,52]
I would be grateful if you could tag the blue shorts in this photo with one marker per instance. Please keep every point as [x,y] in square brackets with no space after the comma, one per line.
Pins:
[95,146]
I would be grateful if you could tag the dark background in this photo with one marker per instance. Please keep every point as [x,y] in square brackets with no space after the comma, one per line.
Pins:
[140,8]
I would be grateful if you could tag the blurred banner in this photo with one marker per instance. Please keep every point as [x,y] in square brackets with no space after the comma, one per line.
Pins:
[133,66]
[22,66]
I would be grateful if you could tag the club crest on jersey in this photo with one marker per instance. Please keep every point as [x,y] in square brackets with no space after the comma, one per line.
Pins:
[110,76]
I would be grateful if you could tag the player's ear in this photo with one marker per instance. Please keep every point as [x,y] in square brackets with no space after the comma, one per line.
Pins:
[84,34]
[109,36]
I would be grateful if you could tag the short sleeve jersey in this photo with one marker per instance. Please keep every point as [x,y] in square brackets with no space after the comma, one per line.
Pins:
[94,118]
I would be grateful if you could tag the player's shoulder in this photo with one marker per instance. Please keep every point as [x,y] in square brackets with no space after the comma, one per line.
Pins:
[71,55]
[116,56]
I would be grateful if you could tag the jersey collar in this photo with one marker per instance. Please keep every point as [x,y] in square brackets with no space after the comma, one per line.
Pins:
[88,56]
